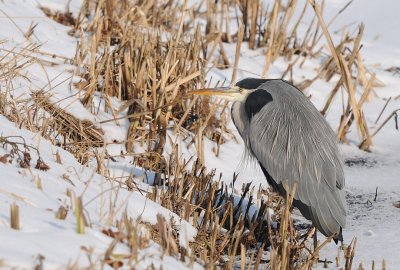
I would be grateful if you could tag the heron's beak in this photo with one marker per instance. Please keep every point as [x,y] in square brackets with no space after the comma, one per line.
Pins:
[233,93]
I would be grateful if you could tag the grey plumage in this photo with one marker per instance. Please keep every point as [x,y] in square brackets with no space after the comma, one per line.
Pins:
[292,141]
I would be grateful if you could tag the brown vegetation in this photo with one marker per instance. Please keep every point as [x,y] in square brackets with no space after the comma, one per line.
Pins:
[149,54]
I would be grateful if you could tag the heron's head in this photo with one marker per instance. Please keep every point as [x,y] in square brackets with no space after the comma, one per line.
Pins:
[238,92]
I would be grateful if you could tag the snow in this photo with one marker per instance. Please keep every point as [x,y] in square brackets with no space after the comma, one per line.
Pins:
[372,217]
[55,239]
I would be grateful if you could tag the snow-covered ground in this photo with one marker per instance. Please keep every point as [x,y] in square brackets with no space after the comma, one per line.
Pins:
[372,217]
[44,240]
[41,234]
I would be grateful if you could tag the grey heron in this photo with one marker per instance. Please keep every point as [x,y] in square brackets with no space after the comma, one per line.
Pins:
[291,141]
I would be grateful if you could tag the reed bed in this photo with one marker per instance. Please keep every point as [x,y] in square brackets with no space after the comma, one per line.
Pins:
[150,68]
[238,228]
[149,54]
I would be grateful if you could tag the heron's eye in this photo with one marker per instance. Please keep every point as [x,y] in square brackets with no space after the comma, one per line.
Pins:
[241,90]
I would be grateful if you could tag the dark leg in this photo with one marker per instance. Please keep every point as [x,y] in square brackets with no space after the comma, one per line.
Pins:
[315,239]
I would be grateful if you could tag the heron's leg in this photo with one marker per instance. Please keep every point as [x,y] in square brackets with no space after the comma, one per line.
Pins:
[315,239]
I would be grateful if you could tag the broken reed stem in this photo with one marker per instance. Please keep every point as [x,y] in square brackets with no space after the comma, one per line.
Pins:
[242,257]
[349,254]
[326,33]
[80,221]
[366,139]
[237,53]
[225,58]
[393,114]
[14,216]
[383,109]
[353,102]
[271,39]
[284,226]
[253,30]
[61,213]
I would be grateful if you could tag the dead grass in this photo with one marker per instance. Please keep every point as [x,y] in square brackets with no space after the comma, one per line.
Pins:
[235,228]
[149,54]
[150,68]
[14,216]
[66,18]
[78,136]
